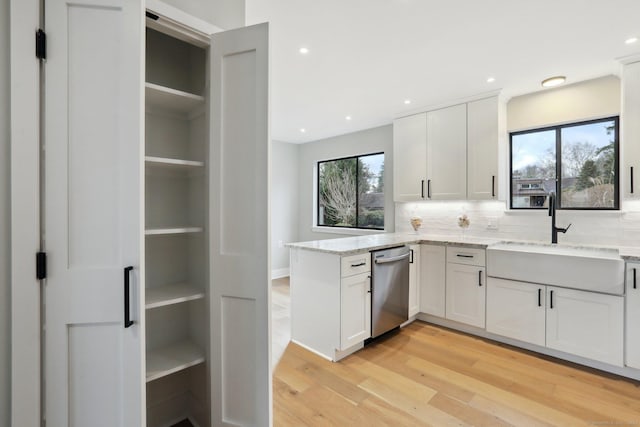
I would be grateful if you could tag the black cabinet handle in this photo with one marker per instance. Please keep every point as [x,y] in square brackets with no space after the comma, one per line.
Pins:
[634,279]
[631,178]
[539,297]
[411,257]
[493,186]
[428,188]
[464,256]
[550,299]
[127,313]
[422,188]
[480,278]
[359,264]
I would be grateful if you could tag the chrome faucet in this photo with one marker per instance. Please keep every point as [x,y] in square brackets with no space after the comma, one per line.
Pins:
[552,214]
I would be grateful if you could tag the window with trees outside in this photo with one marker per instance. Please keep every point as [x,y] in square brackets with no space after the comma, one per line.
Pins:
[351,192]
[577,161]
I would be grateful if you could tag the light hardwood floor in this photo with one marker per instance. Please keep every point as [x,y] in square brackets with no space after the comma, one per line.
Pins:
[428,375]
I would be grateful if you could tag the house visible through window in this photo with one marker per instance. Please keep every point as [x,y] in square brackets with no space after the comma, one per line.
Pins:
[578,161]
[351,192]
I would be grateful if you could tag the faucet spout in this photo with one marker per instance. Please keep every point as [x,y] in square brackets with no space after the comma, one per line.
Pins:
[552,214]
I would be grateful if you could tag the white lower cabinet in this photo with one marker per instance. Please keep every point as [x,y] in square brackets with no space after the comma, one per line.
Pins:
[516,310]
[633,315]
[586,324]
[355,310]
[414,280]
[465,295]
[432,279]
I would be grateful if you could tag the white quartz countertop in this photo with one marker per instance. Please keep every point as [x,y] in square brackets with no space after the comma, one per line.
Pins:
[352,245]
[357,244]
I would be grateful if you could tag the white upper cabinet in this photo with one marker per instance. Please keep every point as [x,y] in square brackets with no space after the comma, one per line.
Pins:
[409,156]
[482,149]
[447,153]
[630,130]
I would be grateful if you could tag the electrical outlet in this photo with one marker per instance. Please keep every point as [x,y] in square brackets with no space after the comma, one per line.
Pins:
[492,223]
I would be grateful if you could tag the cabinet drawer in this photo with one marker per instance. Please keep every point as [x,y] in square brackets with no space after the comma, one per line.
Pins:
[356,264]
[468,256]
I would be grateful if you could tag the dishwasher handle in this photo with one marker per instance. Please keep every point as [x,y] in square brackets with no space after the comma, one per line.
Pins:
[393,259]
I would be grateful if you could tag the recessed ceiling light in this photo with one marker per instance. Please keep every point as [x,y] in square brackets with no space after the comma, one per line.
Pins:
[303,130]
[347,118]
[407,101]
[304,50]
[491,79]
[631,40]
[553,81]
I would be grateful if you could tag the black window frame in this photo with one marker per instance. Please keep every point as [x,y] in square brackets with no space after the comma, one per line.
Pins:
[357,195]
[558,145]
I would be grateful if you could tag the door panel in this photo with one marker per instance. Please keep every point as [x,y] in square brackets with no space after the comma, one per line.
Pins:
[93,205]
[410,158]
[355,310]
[466,297]
[433,267]
[240,239]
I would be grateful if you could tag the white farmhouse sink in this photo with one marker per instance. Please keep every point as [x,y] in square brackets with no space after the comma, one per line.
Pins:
[590,269]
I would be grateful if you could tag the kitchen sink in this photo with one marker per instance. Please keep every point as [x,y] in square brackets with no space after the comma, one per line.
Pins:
[584,268]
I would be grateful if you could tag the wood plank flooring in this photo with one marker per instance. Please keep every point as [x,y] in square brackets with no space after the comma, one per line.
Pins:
[431,376]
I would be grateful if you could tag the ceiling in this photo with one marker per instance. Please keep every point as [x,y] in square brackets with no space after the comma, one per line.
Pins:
[367,56]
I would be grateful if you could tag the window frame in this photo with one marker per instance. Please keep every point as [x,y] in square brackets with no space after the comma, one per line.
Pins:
[558,168]
[317,190]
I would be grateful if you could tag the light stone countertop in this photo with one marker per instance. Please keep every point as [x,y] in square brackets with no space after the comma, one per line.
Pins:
[358,244]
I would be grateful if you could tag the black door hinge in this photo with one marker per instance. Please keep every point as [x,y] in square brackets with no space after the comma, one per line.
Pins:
[41,265]
[41,45]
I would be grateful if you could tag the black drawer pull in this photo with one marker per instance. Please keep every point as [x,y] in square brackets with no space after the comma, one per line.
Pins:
[464,256]
[359,265]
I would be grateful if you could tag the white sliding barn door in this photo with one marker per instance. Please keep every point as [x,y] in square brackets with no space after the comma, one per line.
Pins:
[240,228]
[93,208]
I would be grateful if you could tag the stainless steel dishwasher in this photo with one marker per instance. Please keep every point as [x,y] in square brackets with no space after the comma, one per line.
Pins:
[389,289]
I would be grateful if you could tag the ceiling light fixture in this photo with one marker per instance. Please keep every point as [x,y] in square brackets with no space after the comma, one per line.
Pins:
[491,79]
[631,40]
[407,101]
[303,130]
[553,81]
[348,118]
[304,50]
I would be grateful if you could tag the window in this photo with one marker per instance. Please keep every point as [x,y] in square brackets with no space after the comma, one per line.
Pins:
[578,161]
[351,192]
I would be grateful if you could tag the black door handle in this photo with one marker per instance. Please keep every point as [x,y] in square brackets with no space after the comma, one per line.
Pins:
[428,189]
[634,279]
[493,186]
[411,258]
[631,176]
[480,278]
[550,299]
[127,313]
[539,297]
[422,189]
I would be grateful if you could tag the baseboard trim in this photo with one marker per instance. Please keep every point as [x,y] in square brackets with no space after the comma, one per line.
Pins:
[278,273]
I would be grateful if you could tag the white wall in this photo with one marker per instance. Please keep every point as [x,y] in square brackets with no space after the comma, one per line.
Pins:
[582,101]
[591,99]
[363,142]
[5,299]
[225,14]
[284,203]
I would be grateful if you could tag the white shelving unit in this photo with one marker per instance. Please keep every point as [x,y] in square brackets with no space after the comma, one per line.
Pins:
[161,296]
[171,359]
[176,296]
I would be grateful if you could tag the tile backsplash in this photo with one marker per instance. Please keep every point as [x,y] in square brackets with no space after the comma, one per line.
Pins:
[618,228]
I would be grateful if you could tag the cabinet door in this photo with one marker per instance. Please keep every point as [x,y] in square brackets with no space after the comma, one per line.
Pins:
[630,136]
[516,310]
[447,153]
[633,315]
[409,158]
[586,324]
[414,280]
[355,310]
[432,279]
[465,301]
[482,149]
[93,198]
[239,161]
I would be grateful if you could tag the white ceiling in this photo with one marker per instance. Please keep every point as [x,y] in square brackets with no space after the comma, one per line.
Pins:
[367,56]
